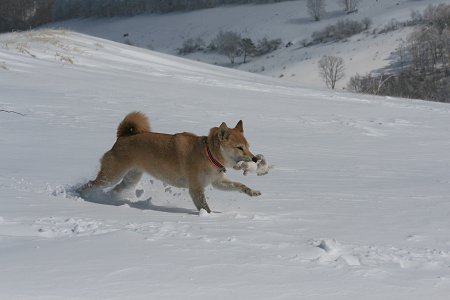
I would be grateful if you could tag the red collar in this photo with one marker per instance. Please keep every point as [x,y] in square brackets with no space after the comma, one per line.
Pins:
[214,161]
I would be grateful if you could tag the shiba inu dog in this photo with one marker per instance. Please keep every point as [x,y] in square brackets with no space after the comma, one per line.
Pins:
[182,160]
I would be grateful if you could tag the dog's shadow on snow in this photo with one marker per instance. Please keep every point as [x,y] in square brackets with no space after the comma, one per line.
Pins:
[107,198]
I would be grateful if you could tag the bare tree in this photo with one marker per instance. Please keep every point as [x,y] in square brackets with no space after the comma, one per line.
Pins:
[316,8]
[229,43]
[331,69]
[350,6]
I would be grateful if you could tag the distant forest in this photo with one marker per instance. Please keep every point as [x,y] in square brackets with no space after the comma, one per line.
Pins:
[26,14]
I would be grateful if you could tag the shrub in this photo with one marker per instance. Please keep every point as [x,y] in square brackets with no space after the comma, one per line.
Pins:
[341,30]
[191,46]
[266,46]
[406,84]
[392,25]
[232,45]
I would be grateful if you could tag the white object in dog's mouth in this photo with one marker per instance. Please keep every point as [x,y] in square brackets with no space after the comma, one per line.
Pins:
[261,167]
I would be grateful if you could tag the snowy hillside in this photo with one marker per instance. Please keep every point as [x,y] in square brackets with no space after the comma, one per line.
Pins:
[357,206]
[288,21]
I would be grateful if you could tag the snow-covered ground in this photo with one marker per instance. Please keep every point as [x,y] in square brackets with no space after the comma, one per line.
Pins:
[289,21]
[357,206]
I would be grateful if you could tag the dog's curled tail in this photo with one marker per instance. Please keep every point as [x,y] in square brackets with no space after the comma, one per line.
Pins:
[134,123]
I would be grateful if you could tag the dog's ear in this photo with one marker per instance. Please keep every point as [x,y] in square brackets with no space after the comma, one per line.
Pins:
[223,132]
[240,126]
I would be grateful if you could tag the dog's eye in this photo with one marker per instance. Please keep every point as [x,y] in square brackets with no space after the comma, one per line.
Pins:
[240,148]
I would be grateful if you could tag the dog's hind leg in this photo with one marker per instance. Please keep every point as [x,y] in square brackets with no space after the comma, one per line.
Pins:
[129,180]
[110,174]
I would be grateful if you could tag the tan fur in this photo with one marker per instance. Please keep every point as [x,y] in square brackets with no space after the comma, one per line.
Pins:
[179,159]
[134,123]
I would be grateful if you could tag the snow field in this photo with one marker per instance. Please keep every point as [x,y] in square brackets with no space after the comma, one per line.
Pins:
[356,206]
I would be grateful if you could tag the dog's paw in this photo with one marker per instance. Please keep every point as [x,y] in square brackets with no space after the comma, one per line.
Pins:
[250,192]
[255,193]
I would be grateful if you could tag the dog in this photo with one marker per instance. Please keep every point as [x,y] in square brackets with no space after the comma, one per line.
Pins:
[182,160]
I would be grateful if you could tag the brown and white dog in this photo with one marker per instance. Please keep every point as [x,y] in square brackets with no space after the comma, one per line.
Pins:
[183,160]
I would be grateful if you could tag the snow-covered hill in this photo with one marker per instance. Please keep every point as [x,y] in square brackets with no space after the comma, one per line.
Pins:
[289,21]
[356,207]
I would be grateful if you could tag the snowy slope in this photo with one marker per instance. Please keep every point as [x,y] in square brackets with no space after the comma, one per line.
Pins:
[356,207]
[289,21]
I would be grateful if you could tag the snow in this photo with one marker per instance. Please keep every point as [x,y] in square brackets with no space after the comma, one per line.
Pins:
[355,208]
[362,53]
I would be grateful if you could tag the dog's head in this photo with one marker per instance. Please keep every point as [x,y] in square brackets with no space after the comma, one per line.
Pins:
[233,145]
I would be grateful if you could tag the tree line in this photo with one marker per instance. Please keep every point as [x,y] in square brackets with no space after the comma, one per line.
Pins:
[23,14]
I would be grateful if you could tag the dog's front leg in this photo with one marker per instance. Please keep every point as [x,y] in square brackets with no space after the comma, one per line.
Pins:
[225,184]
[198,196]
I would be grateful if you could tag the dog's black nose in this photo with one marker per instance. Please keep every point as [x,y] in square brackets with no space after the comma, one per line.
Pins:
[254,159]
